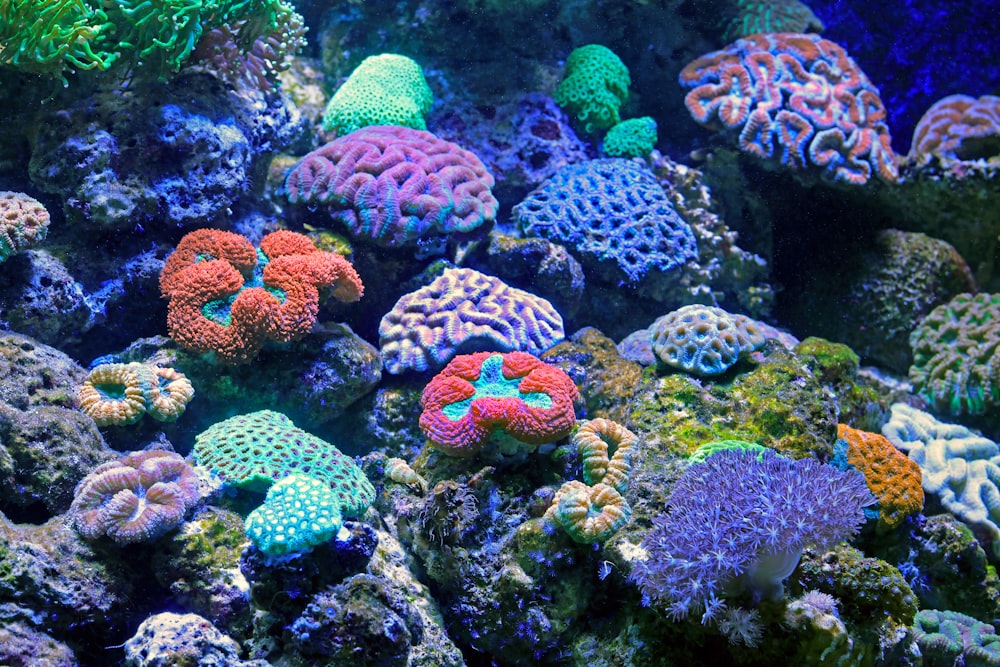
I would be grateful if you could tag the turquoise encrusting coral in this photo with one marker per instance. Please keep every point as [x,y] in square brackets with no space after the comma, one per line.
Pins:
[411,333]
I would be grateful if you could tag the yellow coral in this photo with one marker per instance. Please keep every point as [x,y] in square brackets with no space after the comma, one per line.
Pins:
[120,394]
[171,396]
[597,438]
[115,394]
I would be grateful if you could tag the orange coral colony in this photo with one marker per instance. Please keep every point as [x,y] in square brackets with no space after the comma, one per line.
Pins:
[891,476]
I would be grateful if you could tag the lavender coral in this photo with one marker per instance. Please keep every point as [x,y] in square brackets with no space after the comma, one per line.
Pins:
[464,310]
[735,521]
[135,498]
[796,100]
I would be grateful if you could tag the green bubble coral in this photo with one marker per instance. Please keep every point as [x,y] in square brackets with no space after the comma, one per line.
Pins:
[386,89]
[594,87]
[635,137]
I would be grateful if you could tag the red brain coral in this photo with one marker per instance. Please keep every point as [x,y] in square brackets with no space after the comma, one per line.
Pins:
[228,298]
[479,394]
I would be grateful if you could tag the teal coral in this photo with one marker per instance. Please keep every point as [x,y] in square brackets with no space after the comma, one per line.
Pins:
[635,137]
[959,466]
[255,450]
[594,87]
[299,513]
[956,355]
[949,638]
[386,89]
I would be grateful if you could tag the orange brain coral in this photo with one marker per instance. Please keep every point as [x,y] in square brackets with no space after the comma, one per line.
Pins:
[229,298]
[892,477]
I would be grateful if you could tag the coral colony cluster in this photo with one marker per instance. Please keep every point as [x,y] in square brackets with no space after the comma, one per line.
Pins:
[433,334]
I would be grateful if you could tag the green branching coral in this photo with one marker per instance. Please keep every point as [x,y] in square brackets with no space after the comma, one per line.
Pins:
[62,35]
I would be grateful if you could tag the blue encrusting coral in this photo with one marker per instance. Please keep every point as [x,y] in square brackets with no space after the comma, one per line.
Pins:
[411,333]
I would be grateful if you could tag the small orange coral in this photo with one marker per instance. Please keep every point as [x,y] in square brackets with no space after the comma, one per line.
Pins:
[120,394]
[606,449]
[228,298]
[891,476]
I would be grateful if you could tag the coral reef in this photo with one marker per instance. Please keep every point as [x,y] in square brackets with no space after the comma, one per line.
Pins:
[255,450]
[703,340]
[956,357]
[136,498]
[891,476]
[958,128]
[950,638]
[594,86]
[736,522]
[386,89]
[24,222]
[463,310]
[958,466]
[120,394]
[797,101]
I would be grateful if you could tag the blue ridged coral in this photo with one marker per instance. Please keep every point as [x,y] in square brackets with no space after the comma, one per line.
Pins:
[735,522]
[610,210]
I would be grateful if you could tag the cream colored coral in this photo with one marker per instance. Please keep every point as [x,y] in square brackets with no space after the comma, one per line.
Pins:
[115,394]
[120,394]
[172,395]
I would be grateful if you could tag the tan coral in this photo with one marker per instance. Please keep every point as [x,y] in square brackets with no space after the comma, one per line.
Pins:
[24,222]
[172,394]
[588,514]
[595,440]
[115,394]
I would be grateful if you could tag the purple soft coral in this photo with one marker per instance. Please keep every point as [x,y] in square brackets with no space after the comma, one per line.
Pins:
[736,522]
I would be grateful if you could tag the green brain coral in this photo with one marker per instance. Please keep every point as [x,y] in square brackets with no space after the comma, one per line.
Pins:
[255,450]
[594,87]
[386,89]
[956,355]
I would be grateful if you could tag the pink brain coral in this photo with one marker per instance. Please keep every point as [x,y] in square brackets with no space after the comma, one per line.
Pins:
[396,185]
[797,100]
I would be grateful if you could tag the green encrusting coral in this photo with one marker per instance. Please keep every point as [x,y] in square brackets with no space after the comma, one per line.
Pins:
[387,89]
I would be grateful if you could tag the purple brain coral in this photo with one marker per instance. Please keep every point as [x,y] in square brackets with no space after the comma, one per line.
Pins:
[464,310]
[396,185]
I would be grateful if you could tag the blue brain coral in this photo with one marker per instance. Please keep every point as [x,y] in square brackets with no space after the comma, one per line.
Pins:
[612,209]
